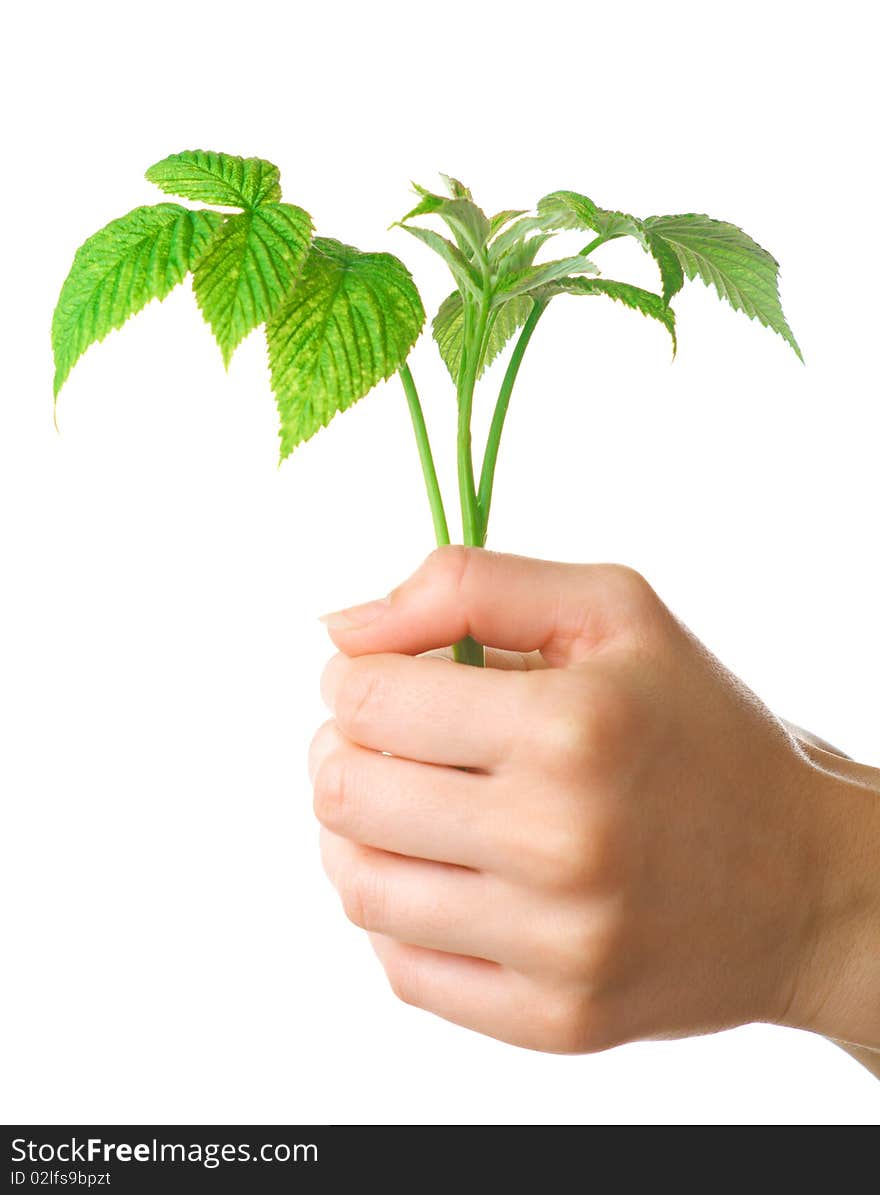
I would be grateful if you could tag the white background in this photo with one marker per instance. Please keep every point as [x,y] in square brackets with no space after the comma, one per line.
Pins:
[173,952]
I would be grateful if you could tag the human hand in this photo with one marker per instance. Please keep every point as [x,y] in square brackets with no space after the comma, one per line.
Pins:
[614,840]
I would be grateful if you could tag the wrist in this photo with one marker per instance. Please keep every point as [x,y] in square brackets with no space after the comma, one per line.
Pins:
[837,990]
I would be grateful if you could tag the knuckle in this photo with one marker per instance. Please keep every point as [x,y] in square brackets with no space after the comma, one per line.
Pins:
[590,725]
[450,568]
[574,1021]
[577,856]
[330,790]
[564,736]
[321,744]
[552,859]
[358,695]
[591,947]
[403,979]
[578,850]
[449,563]
[363,898]
[565,1021]
[628,585]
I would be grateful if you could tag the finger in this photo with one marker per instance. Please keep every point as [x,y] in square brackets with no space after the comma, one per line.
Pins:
[415,809]
[565,611]
[471,992]
[422,709]
[427,904]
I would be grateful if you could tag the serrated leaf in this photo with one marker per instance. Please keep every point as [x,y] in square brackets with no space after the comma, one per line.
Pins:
[210,177]
[498,221]
[568,209]
[448,327]
[725,257]
[350,321]
[115,273]
[467,222]
[466,277]
[249,269]
[456,188]
[519,256]
[536,276]
[671,273]
[645,301]
[512,235]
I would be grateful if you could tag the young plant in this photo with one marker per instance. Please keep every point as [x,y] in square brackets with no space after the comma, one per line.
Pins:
[338,320]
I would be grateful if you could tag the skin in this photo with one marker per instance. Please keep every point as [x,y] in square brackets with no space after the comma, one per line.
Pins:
[603,836]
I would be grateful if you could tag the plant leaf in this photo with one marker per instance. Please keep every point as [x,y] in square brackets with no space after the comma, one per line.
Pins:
[512,235]
[536,276]
[455,188]
[115,273]
[568,209]
[210,177]
[644,301]
[518,256]
[249,269]
[350,321]
[467,222]
[448,326]
[465,275]
[498,221]
[671,273]
[727,258]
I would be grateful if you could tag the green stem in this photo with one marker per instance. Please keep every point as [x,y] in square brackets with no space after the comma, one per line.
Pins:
[471,523]
[594,244]
[467,650]
[435,497]
[490,458]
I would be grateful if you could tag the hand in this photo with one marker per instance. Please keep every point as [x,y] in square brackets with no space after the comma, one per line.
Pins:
[609,838]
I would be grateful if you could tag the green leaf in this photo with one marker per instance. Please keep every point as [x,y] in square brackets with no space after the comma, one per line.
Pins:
[725,257]
[498,221]
[448,327]
[116,272]
[217,178]
[249,269]
[465,275]
[536,276]
[568,209]
[350,321]
[644,301]
[671,273]
[518,256]
[455,188]
[467,222]
[504,240]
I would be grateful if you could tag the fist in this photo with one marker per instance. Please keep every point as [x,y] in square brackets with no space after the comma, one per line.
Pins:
[601,836]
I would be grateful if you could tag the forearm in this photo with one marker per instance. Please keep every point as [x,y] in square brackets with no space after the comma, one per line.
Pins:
[849,1013]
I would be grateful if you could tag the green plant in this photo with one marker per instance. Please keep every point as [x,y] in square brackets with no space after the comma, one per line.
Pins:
[339,320]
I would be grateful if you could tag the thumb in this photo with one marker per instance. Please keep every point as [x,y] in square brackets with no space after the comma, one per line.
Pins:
[565,611]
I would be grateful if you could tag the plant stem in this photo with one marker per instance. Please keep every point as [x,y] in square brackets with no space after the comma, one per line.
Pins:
[471,524]
[435,497]
[490,458]
[594,244]
[467,650]
[475,506]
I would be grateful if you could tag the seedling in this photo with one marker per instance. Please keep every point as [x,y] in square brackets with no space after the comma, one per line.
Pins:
[338,321]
